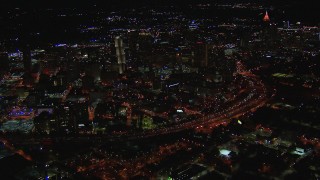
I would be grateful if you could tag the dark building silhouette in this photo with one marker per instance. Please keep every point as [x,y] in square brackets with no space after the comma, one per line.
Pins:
[269,32]
[27,58]
[200,55]
[4,61]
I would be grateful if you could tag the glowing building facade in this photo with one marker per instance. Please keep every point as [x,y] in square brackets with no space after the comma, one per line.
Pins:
[120,54]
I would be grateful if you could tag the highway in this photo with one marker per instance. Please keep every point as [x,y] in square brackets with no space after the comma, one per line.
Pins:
[240,106]
[256,98]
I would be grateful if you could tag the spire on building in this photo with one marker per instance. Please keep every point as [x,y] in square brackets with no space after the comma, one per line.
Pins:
[266,17]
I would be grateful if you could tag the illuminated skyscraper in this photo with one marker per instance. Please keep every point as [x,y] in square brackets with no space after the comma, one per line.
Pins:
[120,54]
[269,33]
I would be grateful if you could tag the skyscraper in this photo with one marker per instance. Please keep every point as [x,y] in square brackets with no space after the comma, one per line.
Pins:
[200,54]
[27,58]
[269,32]
[4,61]
[120,54]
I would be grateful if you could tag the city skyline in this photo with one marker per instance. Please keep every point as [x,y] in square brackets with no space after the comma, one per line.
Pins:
[159,89]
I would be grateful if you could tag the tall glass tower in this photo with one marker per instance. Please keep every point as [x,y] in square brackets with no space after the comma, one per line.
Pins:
[120,54]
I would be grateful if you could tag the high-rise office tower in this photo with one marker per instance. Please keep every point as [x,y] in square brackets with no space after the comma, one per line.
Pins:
[133,45]
[120,54]
[4,61]
[27,58]
[200,54]
[269,34]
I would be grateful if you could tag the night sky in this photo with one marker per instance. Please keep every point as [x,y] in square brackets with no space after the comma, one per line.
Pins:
[296,9]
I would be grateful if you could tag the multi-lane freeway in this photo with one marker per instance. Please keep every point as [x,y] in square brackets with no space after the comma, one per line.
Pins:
[256,97]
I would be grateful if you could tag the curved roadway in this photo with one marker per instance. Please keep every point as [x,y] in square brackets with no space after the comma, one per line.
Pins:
[256,98]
